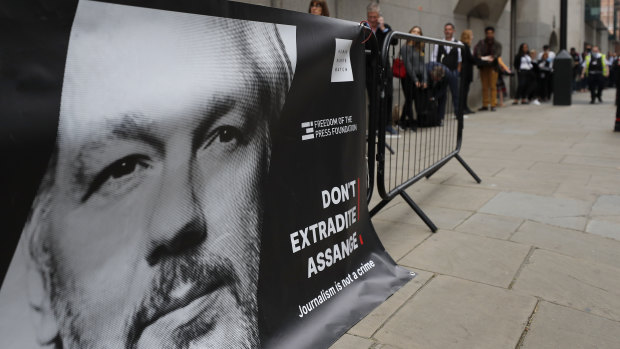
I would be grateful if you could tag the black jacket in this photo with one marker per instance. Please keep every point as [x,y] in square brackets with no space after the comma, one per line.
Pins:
[468,61]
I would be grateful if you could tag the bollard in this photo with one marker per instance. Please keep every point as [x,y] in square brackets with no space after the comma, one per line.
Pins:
[562,78]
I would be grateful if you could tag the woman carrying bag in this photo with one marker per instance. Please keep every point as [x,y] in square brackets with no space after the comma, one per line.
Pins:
[412,54]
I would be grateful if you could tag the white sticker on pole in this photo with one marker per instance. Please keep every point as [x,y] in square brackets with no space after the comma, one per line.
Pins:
[341,71]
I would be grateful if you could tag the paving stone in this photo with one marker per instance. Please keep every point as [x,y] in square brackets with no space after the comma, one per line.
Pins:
[606,205]
[444,218]
[351,342]
[457,198]
[385,346]
[519,154]
[591,161]
[470,257]
[508,182]
[484,166]
[454,313]
[500,227]
[555,326]
[371,323]
[560,212]
[607,208]
[605,183]
[604,228]
[574,169]
[576,283]
[570,242]
[399,239]
[576,192]
[533,175]
[594,149]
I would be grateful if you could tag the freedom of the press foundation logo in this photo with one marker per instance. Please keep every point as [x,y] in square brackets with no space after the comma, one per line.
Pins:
[327,127]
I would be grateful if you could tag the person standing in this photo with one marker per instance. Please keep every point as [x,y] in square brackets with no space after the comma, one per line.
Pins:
[596,71]
[617,125]
[319,8]
[412,54]
[380,29]
[544,77]
[452,59]
[488,50]
[583,83]
[467,69]
[576,67]
[525,74]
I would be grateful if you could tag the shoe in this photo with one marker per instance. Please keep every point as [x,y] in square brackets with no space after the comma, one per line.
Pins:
[536,102]
[592,102]
[515,103]
[483,109]
[493,109]
[390,130]
[469,111]
[600,99]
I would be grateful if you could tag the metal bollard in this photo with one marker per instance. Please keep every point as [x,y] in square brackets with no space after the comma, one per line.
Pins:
[562,78]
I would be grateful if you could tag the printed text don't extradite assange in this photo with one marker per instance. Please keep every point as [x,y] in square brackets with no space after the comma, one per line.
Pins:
[323,229]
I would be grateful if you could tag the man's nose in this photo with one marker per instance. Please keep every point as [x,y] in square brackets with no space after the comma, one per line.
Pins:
[177,223]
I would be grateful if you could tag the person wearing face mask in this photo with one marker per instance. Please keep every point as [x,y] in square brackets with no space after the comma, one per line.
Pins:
[596,71]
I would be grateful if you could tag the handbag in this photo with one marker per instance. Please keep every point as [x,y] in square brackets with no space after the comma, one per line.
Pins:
[398,68]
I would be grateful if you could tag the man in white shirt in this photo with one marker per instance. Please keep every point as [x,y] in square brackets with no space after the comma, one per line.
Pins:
[451,58]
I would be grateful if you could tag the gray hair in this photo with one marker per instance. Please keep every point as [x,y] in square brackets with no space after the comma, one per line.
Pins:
[373,7]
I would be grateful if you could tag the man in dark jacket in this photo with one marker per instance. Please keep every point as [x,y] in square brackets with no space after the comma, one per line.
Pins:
[380,30]
[451,58]
[488,50]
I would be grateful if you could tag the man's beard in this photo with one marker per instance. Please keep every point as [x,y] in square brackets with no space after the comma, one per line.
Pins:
[205,272]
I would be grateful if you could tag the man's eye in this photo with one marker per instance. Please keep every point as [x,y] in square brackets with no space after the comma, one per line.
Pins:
[225,135]
[117,173]
[228,134]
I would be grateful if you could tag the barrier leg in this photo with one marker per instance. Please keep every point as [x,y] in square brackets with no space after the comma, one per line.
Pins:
[419,211]
[471,172]
[378,208]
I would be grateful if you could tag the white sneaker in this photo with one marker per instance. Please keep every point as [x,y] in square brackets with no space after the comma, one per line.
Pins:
[536,102]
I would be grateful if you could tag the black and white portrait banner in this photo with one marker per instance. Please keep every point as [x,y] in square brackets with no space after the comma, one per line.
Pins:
[184,174]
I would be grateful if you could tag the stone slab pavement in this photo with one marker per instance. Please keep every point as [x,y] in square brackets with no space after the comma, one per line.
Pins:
[529,258]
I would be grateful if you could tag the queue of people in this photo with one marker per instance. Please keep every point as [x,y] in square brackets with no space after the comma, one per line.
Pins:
[433,73]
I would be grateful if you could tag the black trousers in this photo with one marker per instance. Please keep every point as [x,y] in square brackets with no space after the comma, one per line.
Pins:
[596,82]
[406,117]
[463,95]
[527,84]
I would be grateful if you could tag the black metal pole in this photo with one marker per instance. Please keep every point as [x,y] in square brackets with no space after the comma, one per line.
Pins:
[513,45]
[563,23]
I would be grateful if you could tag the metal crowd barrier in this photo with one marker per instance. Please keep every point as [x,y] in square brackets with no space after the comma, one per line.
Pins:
[408,156]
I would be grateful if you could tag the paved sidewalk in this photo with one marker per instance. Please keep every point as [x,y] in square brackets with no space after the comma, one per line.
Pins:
[529,258]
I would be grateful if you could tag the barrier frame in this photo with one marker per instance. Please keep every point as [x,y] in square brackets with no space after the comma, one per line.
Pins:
[399,190]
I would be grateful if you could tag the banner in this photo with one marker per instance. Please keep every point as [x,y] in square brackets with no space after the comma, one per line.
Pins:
[184,174]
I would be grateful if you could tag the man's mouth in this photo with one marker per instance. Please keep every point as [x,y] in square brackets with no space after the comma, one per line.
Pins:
[187,303]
